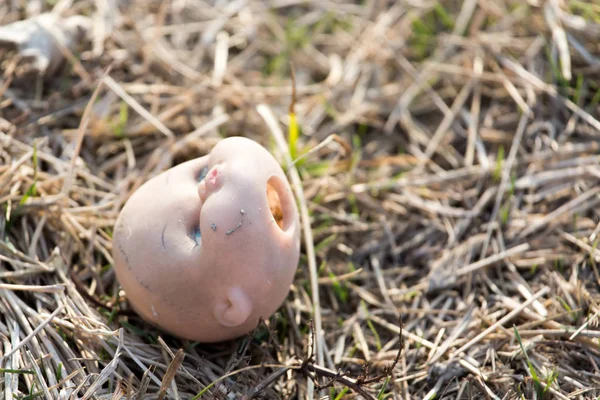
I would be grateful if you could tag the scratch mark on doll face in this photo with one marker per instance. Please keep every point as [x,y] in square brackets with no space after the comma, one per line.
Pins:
[162,237]
[239,225]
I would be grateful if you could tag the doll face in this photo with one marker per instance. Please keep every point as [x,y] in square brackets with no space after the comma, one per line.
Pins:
[208,247]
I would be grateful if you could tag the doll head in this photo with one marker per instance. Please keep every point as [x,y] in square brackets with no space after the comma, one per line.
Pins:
[208,247]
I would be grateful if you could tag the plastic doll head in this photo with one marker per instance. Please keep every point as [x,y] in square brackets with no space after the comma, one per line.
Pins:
[208,247]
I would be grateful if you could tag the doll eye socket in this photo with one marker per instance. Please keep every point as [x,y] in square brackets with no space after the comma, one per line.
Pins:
[196,235]
[202,174]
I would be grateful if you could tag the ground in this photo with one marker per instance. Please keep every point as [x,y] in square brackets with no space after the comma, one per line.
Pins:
[446,169]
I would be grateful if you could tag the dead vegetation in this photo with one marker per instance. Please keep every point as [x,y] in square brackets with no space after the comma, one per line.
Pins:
[459,195]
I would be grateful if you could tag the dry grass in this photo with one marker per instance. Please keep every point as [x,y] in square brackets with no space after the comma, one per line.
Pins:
[460,196]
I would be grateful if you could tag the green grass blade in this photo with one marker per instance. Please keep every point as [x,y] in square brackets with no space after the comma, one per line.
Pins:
[536,380]
[294,134]
[382,390]
[16,371]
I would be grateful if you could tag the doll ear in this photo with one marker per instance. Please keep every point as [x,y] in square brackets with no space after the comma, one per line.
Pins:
[235,309]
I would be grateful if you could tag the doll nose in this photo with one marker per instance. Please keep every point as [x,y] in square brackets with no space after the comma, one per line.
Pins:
[211,182]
